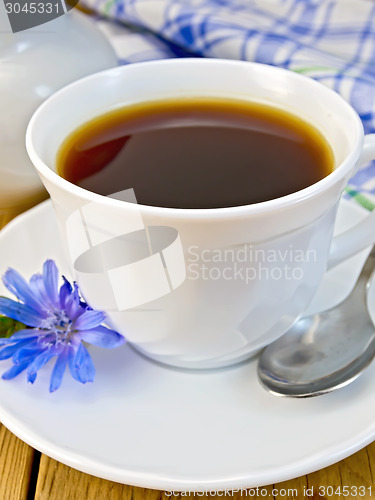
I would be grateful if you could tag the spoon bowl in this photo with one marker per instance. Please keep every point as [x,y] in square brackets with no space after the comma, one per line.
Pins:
[324,351]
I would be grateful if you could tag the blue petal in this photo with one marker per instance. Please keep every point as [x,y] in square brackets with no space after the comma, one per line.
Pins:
[51,279]
[72,304]
[8,351]
[26,359]
[88,320]
[15,370]
[37,286]
[21,289]
[24,334]
[65,291]
[20,312]
[102,337]
[58,370]
[28,352]
[83,365]
[38,362]
[71,356]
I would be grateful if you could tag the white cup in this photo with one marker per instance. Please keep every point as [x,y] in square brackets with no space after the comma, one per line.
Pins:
[201,288]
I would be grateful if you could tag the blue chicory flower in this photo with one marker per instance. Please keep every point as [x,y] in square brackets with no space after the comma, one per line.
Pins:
[59,321]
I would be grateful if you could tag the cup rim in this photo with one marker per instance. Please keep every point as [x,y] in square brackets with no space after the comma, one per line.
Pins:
[275,204]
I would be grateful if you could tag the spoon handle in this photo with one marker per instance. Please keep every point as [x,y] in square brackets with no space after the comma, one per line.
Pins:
[367,270]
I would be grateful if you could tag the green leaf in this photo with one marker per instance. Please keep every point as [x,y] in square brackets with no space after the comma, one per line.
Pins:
[8,326]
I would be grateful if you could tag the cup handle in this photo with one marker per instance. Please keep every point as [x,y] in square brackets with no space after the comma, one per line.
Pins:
[361,235]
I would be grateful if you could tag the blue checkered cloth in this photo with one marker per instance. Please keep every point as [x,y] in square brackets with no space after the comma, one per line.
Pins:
[330,41]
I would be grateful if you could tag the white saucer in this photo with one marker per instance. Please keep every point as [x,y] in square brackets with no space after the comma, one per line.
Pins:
[147,425]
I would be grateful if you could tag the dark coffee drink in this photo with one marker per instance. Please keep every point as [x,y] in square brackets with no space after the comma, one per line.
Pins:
[196,153]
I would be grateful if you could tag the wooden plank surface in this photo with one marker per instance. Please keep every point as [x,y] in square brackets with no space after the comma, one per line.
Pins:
[16,462]
[25,474]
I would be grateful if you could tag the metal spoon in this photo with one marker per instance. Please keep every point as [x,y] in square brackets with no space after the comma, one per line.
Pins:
[325,351]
